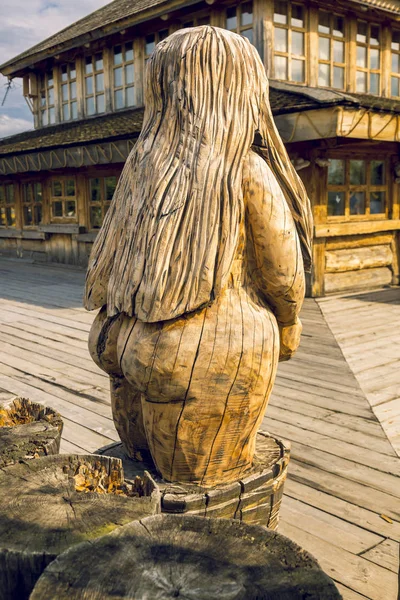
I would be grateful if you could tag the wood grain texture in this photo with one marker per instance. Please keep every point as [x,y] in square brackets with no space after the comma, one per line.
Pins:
[198,268]
[167,556]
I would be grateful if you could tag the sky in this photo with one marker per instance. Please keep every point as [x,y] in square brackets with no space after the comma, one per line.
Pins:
[24,23]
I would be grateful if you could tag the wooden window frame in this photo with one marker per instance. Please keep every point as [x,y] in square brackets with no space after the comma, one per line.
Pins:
[71,100]
[122,65]
[196,19]
[103,203]
[368,47]
[47,108]
[5,204]
[241,29]
[332,38]
[159,35]
[28,199]
[289,54]
[92,59]
[393,74]
[64,198]
[367,188]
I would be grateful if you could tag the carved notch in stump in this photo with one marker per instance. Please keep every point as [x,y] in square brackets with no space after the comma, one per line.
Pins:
[28,430]
[187,557]
[49,504]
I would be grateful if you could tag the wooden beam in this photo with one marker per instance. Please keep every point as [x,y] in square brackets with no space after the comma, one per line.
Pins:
[355,228]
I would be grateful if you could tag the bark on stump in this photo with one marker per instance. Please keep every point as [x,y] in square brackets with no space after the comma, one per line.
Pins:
[46,507]
[170,556]
[28,430]
[255,498]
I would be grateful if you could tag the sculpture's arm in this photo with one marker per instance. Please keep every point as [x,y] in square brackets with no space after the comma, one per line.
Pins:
[276,262]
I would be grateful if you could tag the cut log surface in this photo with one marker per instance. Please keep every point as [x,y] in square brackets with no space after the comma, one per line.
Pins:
[46,506]
[28,430]
[168,556]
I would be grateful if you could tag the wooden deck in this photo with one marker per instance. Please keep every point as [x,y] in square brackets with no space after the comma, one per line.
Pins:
[343,475]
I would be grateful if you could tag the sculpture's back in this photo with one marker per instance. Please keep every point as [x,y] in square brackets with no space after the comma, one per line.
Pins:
[198,268]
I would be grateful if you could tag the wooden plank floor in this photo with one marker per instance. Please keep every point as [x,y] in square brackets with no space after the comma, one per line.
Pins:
[343,475]
[367,328]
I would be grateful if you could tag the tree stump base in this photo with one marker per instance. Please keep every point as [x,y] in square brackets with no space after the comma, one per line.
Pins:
[28,430]
[254,499]
[168,556]
[49,504]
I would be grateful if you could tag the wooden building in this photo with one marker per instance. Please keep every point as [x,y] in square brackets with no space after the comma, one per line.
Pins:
[334,70]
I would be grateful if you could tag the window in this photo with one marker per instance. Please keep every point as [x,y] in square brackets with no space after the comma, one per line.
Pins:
[289,42]
[153,39]
[101,191]
[240,19]
[395,78]
[331,50]
[197,21]
[368,61]
[32,200]
[69,105]
[47,106]
[356,187]
[94,84]
[7,205]
[63,198]
[124,76]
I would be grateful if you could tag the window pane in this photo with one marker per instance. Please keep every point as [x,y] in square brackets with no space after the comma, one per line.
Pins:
[377,172]
[95,193]
[324,75]
[64,92]
[362,29]
[324,22]
[395,40]
[361,57]
[98,62]
[150,43]
[100,103]
[395,86]
[99,79]
[338,78]
[297,16]
[95,217]
[66,112]
[111,184]
[57,209]
[164,32]
[374,80]
[129,74]
[52,115]
[231,21]
[281,67]
[44,117]
[395,63]
[298,43]
[324,48]
[374,56]
[70,187]
[51,96]
[72,71]
[357,203]
[90,106]
[118,77]
[50,80]
[357,172]
[74,110]
[338,51]
[335,204]
[129,51]
[37,211]
[280,12]
[361,82]
[119,99]
[190,24]
[247,14]
[377,203]
[89,84]
[64,73]
[70,208]
[2,216]
[72,90]
[1,193]
[88,65]
[28,217]
[10,216]
[9,194]
[375,34]
[37,192]
[248,33]
[338,26]
[281,40]
[118,55]
[130,96]
[56,188]
[298,70]
[43,101]
[336,172]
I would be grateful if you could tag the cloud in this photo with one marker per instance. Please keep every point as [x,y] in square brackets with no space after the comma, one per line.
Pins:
[11,125]
[23,24]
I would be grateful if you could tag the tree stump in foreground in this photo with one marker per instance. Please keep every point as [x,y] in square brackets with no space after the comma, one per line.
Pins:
[255,498]
[49,504]
[168,556]
[28,430]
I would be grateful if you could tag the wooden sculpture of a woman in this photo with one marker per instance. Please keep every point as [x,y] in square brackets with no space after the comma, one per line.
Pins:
[199,266]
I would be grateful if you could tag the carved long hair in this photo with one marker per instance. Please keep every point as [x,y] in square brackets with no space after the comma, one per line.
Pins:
[169,238]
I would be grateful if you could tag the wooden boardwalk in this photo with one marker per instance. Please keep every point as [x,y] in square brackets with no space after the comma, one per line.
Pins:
[343,475]
[367,328]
